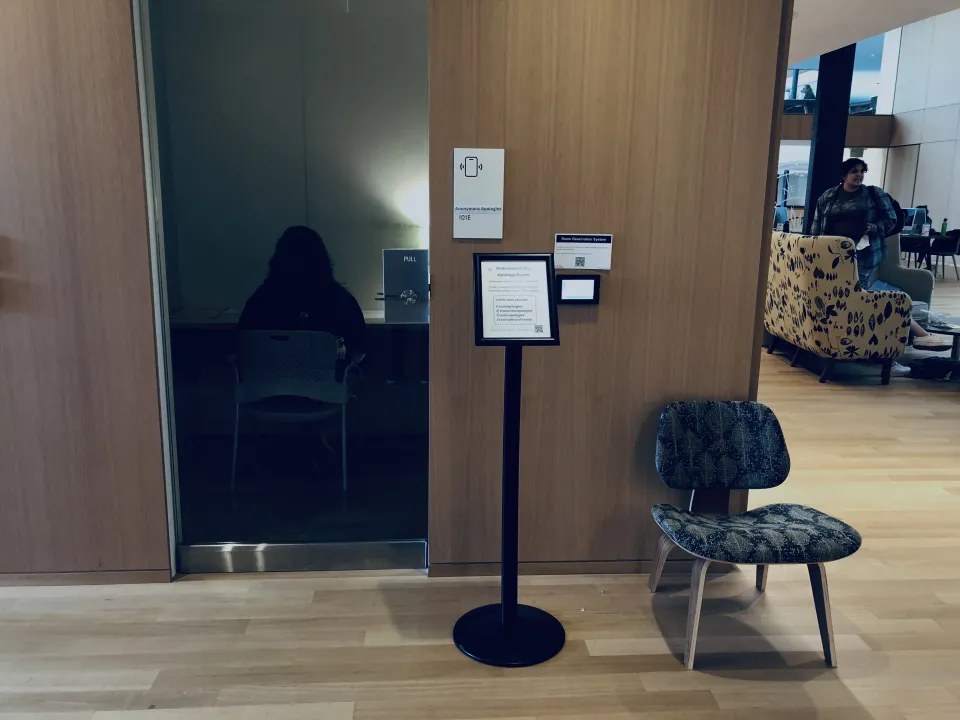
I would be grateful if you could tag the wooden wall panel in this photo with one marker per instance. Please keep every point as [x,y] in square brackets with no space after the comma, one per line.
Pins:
[650,119]
[862,130]
[82,477]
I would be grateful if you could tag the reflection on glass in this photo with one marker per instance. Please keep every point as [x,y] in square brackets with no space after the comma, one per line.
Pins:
[801,89]
[792,168]
[303,418]
[865,87]
[872,87]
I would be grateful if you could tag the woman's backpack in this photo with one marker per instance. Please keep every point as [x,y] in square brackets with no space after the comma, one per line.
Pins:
[896,206]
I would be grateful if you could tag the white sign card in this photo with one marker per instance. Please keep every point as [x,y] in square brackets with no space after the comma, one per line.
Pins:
[514,300]
[582,252]
[477,194]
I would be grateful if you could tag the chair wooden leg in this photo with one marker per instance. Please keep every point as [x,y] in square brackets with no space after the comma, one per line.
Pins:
[955,270]
[762,571]
[821,599]
[697,578]
[885,371]
[826,370]
[796,357]
[773,344]
[664,546]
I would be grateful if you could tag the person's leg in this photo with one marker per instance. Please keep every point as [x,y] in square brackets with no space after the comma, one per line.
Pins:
[923,340]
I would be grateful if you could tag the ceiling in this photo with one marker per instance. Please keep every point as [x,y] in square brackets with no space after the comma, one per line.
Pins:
[820,26]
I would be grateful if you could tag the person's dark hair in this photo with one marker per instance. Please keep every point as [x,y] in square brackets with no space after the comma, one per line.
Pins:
[301,256]
[850,163]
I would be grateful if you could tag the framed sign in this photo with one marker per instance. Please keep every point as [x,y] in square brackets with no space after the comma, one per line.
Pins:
[514,300]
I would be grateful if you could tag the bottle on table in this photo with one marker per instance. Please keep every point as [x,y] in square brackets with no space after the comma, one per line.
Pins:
[943,227]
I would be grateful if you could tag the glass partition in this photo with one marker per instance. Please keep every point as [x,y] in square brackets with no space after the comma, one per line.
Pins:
[873,84]
[293,153]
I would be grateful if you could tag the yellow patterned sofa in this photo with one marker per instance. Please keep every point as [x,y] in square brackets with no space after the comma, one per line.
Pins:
[814,302]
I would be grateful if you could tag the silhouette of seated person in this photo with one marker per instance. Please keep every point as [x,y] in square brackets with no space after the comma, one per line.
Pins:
[301,293]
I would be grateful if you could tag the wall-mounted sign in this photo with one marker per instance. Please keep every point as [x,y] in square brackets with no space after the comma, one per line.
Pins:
[477,194]
[513,299]
[582,252]
[406,286]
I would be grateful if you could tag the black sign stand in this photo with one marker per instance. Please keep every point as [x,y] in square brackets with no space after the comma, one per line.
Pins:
[508,634]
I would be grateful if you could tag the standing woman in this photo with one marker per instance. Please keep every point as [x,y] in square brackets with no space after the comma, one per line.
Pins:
[862,213]
[866,215]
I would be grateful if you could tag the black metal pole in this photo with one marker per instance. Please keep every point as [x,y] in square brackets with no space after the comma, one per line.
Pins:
[508,634]
[510,514]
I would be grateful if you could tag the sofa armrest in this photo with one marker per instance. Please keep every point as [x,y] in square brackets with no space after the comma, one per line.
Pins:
[917,283]
[873,325]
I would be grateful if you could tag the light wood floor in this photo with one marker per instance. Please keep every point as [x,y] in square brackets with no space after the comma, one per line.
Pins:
[335,648]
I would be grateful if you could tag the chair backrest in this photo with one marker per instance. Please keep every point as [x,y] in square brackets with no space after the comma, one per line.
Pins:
[804,271]
[916,282]
[721,444]
[290,364]
[948,244]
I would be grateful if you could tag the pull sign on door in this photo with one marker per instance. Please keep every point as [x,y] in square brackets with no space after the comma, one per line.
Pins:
[477,194]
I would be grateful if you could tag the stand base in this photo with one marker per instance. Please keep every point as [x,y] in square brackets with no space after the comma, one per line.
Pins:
[536,637]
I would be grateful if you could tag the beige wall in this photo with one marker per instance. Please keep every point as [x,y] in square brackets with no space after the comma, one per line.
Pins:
[284,113]
[901,173]
[923,167]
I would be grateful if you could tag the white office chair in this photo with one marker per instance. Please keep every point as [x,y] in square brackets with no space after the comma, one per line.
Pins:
[290,377]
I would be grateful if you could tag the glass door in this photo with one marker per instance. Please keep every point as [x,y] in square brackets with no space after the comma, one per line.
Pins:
[291,169]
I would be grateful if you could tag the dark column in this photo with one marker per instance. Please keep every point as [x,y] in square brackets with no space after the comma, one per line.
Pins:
[829,125]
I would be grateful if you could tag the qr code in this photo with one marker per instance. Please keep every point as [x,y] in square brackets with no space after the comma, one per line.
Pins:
[538,329]
[580,261]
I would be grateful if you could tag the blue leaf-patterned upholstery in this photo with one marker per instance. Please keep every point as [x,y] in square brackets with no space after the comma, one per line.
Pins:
[774,534]
[721,444]
[739,445]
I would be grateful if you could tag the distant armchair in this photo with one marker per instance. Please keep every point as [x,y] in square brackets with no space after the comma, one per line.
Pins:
[740,446]
[915,282]
[815,303]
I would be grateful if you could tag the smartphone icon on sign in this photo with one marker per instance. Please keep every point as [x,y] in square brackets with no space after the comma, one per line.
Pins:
[472,167]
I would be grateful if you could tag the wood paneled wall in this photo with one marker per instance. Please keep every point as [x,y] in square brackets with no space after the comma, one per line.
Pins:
[81,474]
[649,119]
[862,130]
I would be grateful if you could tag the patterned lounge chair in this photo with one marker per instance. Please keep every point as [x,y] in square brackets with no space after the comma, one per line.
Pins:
[815,303]
[740,446]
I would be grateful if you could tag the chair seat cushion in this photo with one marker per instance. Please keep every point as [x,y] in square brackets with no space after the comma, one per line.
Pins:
[775,534]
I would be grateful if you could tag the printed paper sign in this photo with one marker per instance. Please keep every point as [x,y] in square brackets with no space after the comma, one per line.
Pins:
[516,300]
[477,194]
[582,252]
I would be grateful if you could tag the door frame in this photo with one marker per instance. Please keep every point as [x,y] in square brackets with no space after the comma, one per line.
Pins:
[146,91]
[223,557]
